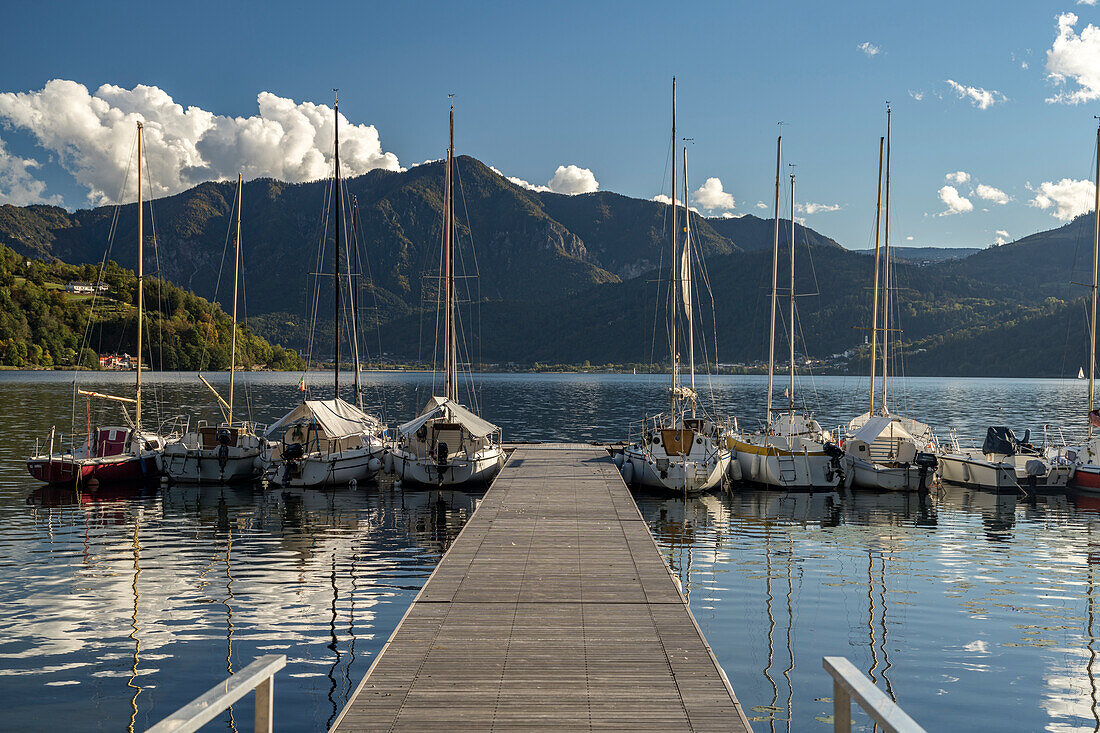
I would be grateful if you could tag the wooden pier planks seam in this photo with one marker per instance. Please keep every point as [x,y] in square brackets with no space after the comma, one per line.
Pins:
[553,610]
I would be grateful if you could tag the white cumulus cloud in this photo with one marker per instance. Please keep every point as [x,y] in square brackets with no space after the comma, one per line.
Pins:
[92,135]
[811,208]
[1075,58]
[954,201]
[567,179]
[869,48]
[1068,198]
[989,193]
[711,196]
[980,98]
[572,179]
[1002,237]
[761,205]
[916,95]
[958,177]
[18,185]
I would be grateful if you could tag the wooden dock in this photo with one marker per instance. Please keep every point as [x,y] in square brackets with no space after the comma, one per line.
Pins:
[553,610]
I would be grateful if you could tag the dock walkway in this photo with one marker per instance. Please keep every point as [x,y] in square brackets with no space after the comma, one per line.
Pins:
[553,610]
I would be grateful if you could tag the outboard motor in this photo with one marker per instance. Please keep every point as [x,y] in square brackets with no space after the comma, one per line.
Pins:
[835,453]
[224,436]
[925,462]
[441,453]
[291,455]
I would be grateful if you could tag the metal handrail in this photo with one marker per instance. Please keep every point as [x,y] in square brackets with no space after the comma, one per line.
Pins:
[260,675]
[848,684]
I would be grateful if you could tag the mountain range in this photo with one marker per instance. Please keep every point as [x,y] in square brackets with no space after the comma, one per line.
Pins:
[566,279]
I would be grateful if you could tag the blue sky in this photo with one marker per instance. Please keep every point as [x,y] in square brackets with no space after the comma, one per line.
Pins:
[587,84]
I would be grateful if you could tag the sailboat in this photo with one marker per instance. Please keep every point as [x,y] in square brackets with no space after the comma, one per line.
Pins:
[1086,458]
[679,450]
[883,450]
[224,452]
[792,450]
[113,454]
[327,442]
[447,444]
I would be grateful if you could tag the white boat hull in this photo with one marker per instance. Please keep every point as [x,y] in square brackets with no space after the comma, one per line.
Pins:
[979,473]
[867,475]
[205,465]
[332,469]
[679,475]
[786,469]
[482,467]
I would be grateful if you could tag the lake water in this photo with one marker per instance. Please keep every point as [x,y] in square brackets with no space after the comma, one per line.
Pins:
[974,611]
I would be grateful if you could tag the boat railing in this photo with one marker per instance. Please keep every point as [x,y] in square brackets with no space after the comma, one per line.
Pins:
[849,684]
[258,676]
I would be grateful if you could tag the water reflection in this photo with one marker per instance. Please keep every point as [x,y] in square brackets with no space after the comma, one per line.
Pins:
[952,602]
[163,592]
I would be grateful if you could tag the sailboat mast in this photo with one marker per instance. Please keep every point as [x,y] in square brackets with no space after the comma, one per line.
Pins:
[236,276]
[673,396]
[775,281]
[791,325]
[354,285]
[140,277]
[886,273]
[449,355]
[1095,252]
[685,273]
[336,271]
[874,297]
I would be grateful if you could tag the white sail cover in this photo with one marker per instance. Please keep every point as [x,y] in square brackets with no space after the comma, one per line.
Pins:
[335,418]
[867,428]
[450,410]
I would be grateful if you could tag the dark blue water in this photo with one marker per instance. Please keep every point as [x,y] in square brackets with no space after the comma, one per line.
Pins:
[974,611]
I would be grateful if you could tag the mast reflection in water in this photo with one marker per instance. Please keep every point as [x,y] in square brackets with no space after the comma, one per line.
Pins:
[971,610]
[132,602]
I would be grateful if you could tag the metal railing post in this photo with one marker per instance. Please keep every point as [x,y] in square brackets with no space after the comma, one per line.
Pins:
[842,709]
[849,683]
[265,706]
[258,676]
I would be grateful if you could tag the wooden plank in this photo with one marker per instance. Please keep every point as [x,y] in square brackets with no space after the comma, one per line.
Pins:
[554,610]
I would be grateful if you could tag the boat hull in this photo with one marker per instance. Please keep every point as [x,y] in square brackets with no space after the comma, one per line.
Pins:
[1086,478]
[418,470]
[333,469]
[679,476]
[785,469]
[205,465]
[976,473]
[867,475]
[69,471]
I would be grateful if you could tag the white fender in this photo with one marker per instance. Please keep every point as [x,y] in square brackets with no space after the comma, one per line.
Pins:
[374,465]
[966,472]
[734,470]
[387,462]
[619,458]
[628,472]
[754,471]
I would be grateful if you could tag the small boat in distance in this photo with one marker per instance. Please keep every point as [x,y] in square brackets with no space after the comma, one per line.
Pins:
[1081,373]
[678,450]
[447,444]
[114,454]
[228,452]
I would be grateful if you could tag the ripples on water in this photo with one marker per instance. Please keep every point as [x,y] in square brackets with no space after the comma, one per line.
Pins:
[974,611]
